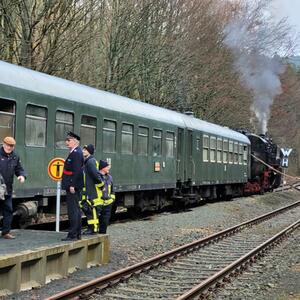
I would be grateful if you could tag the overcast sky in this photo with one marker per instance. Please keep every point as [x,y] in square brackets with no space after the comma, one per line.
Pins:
[289,9]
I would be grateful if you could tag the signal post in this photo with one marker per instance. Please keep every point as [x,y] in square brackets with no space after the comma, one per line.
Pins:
[55,171]
[285,161]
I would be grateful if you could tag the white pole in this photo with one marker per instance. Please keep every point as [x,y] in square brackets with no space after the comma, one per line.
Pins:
[283,179]
[57,205]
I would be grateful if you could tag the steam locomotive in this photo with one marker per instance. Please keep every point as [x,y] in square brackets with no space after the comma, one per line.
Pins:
[265,164]
[159,157]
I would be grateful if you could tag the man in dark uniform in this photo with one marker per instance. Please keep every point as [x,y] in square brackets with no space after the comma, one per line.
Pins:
[72,182]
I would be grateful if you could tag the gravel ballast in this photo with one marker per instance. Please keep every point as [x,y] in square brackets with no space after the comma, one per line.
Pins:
[137,240]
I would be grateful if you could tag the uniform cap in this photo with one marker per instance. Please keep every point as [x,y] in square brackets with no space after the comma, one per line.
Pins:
[9,140]
[72,135]
[90,148]
[103,164]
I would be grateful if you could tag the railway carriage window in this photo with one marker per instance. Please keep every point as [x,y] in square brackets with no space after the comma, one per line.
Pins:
[219,150]
[245,157]
[205,147]
[241,151]
[212,149]
[109,136]
[88,130]
[127,138]
[225,151]
[236,153]
[157,141]
[170,138]
[143,140]
[64,123]
[230,153]
[7,118]
[35,126]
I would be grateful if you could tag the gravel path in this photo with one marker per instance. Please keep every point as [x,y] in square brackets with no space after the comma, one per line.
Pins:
[133,241]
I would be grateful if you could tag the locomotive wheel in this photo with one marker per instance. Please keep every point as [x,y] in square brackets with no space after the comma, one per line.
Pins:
[24,223]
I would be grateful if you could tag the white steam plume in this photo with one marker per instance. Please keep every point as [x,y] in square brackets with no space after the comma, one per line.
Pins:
[258,72]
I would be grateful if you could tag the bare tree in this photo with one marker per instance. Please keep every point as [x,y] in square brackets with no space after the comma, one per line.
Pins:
[40,34]
[165,52]
[285,117]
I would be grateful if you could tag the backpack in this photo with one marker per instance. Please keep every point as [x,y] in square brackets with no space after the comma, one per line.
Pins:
[3,190]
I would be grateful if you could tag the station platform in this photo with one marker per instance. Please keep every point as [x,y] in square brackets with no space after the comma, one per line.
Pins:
[35,258]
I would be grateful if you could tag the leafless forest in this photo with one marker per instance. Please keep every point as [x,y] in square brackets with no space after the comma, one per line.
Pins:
[220,59]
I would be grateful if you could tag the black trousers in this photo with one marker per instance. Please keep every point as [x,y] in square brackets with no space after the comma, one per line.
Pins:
[104,212]
[74,214]
[7,212]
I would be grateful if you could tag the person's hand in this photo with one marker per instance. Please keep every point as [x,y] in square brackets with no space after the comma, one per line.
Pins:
[21,178]
[72,189]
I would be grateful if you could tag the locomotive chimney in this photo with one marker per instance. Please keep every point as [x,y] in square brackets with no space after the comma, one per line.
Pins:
[189,113]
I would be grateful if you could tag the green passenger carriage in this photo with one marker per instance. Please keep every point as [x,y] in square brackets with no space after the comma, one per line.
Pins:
[159,157]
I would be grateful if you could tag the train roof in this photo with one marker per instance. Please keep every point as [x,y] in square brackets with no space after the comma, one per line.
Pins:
[42,83]
[212,128]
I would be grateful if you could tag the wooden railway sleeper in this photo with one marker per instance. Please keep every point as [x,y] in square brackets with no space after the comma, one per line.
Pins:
[239,269]
[227,279]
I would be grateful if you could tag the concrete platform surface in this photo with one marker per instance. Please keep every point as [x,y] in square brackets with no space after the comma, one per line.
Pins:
[35,258]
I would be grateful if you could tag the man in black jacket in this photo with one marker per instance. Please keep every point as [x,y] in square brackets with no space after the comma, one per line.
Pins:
[10,165]
[72,182]
[91,190]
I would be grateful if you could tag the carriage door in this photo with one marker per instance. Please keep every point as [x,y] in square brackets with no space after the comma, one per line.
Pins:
[179,160]
[189,155]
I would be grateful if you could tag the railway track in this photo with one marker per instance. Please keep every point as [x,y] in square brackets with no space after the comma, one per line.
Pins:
[195,269]
[296,185]
[64,222]
[121,216]
[288,186]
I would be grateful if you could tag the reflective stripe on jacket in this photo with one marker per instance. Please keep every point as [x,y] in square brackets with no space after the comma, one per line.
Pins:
[106,193]
[92,180]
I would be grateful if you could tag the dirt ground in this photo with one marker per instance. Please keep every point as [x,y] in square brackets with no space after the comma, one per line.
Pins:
[135,240]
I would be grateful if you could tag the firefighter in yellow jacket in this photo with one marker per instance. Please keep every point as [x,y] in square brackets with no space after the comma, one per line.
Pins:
[107,197]
[91,192]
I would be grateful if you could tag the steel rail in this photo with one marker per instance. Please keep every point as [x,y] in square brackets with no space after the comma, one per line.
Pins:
[122,274]
[289,186]
[205,285]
